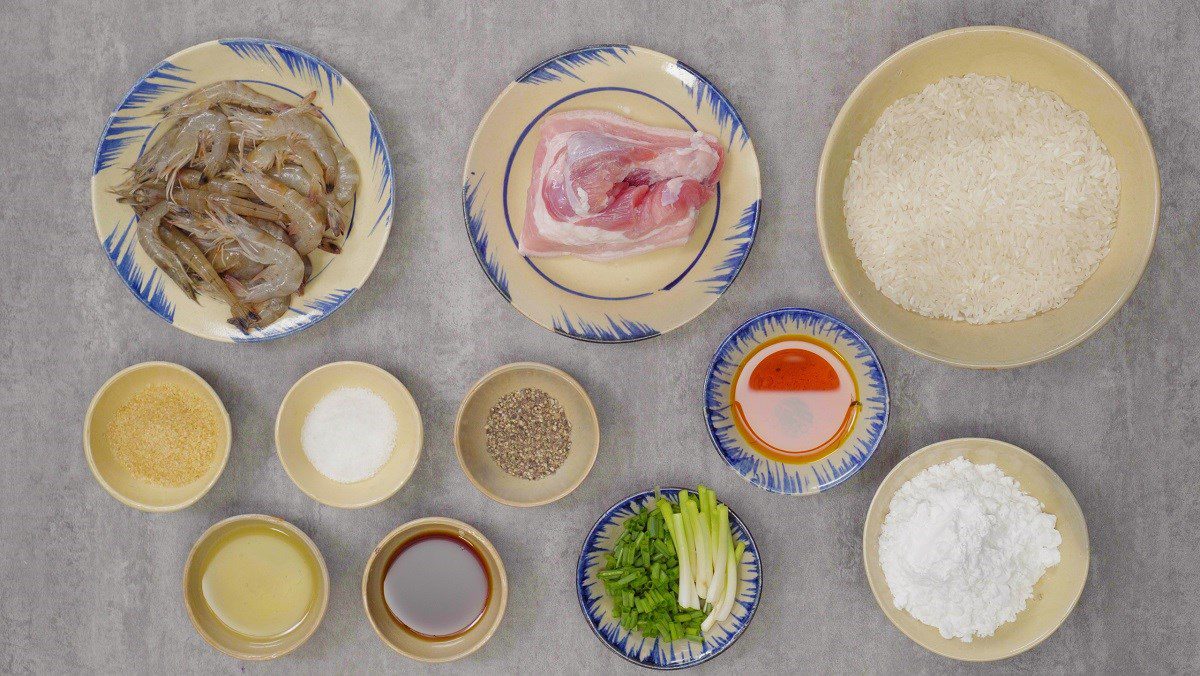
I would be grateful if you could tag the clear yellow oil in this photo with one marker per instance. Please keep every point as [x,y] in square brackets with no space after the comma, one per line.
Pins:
[260,581]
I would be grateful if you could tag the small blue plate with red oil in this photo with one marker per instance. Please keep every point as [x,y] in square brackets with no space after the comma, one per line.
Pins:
[796,401]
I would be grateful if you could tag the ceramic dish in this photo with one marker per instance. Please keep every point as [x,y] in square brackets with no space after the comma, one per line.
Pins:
[301,399]
[287,74]
[1042,62]
[808,477]
[408,644]
[213,631]
[115,479]
[656,653]
[631,298]
[1054,596]
[471,444]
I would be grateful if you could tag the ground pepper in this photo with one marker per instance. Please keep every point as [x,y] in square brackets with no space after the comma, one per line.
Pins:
[528,434]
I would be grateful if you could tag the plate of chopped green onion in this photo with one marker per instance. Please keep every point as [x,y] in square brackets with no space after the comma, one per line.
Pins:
[655,607]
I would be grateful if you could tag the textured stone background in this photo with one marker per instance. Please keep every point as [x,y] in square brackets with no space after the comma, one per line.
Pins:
[89,585]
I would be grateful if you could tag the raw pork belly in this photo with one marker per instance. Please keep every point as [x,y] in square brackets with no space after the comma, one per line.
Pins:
[606,187]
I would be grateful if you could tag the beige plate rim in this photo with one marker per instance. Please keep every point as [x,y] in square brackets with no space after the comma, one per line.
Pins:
[462,407]
[879,586]
[91,460]
[419,433]
[274,521]
[491,552]
[858,93]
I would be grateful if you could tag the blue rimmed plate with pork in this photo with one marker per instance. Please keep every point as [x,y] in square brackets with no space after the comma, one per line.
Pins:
[242,190]
[796,401]
[624,545]
[611,193]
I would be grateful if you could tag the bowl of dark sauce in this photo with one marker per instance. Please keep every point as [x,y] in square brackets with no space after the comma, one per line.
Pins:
[435,589]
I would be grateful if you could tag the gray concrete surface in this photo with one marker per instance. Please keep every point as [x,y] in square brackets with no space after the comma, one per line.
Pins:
[87,585]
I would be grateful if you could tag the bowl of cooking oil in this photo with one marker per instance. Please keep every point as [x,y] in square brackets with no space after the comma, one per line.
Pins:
[255,587]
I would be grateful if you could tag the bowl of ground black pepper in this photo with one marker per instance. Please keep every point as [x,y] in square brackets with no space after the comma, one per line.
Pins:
[526,434]
[156,436]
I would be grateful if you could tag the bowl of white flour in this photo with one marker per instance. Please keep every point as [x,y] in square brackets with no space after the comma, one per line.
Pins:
[975,549]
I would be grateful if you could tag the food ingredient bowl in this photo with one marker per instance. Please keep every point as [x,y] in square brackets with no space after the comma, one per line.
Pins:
[409,644]
[1039,61]
[656,653]
[287,74]
[1054,596]
[306,393]
[631,298]
[470,441]
[231,642]
[116,479]
[802,478]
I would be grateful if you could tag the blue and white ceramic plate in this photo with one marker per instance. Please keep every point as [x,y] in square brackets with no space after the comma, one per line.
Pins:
[652,652]
[631,298]
[828,471]
[288,74]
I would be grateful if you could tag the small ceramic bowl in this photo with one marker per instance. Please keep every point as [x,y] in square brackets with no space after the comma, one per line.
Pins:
[301,399]
[804,478]
[115,479]
[656,653]
[636,297]
[409,644]
[1054,596]
[1041,62]
[213,631]
[471,444]
[287,74]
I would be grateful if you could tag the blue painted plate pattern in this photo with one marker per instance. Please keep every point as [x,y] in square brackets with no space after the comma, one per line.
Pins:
[636,81]
[655,653]
[788,478]
[286,73]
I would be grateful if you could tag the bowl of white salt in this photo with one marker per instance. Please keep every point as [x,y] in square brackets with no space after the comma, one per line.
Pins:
[349,434]
[975,549]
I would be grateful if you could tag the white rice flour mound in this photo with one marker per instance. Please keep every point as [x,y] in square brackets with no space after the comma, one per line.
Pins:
[962,547]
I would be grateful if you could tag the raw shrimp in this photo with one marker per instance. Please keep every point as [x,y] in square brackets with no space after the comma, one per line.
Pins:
[346,181]
[335,216]
[193,257]
[284,269]
[191,178]
[227,92]
[143,168]
[273,229]
[306,219]
[150,238]
[295,123]
[186,144]
[199,200]
[277,177]
[272,154]
[296,178]
[272,309]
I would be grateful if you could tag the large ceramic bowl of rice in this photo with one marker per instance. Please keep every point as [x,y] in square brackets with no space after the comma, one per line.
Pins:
[987,197]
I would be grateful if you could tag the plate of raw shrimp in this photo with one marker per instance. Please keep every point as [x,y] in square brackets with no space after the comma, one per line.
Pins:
[242,189]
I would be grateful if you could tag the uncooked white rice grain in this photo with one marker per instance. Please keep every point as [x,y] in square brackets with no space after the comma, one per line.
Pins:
[981,199]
